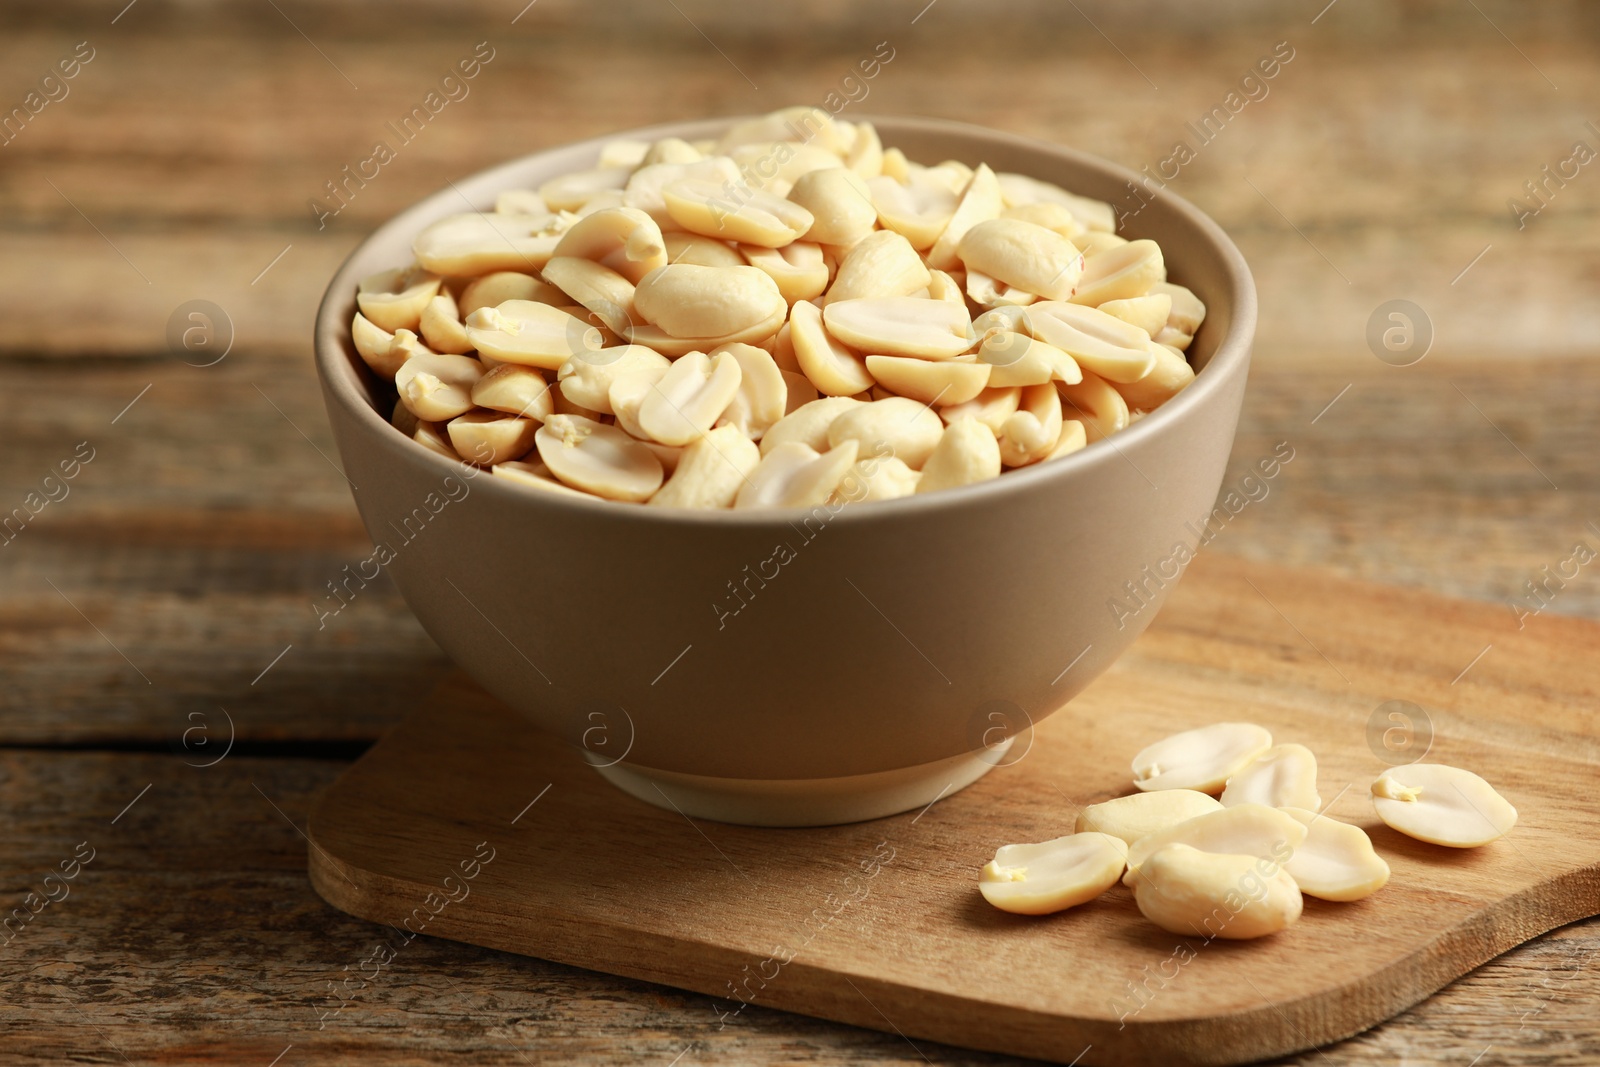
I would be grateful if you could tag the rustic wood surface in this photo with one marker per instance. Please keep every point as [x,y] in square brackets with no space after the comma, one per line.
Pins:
[156,597]
[467,823]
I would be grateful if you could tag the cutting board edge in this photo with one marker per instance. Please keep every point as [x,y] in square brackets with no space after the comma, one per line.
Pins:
[1295,1026]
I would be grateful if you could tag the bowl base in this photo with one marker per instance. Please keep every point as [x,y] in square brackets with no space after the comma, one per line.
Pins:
[803,801]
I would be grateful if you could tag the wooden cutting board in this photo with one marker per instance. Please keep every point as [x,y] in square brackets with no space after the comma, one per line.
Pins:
[880,924]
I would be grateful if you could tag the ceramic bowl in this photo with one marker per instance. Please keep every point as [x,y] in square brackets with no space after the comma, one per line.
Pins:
[790,667]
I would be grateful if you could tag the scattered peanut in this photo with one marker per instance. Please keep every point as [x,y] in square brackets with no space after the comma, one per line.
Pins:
[1202,759]
[1054,875]
[1133,817]
[765,285]
[1336,861]
[1205,894]
[1284,776]
[1442,805]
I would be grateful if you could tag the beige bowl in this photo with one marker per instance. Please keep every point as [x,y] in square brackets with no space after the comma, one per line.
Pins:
[782,667]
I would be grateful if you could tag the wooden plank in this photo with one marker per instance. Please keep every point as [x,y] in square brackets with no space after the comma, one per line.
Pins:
[277,121]
[601,880]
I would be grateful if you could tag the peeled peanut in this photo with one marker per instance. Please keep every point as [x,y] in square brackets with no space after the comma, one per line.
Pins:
[1094,403]
[625,239]
[441,326]
[645,186]
[763,394]
[1073,437]
[1203,758]
[800,391]
[919,209]
[877,478]
[752,217]
[1053,875]
[627,394]
[476,243]
[1092,244]
[1019,189]
[991,293]
[671,150]
[520,202]
[1119,273]
[967,453]
[775,166]
[1102,343]
[562,406]
[1140,814]
[1173,339]
[991,407]
[929,381]
[831,366]
[431,435]
[840,205]
[1148,312]
[1051,216]
[1017,359]
[514,389]
[673,346]
[437,387]
[1024,256]
[1284,776]
[1201,894]
[945,286]
[909,430]
[684,247]
[1187,310]
[808,424]
[1336,861]
[536,476]
[394,299]
[687,400]
[530,333]
[1442,805]
[569,192]
[1247,829]
[865,156]
[811,125]
[711,471]
[1030,432]
[586,378]
[795,475]
[597,458]
[979,202]
[375,346]
[596,288]
[496,288]
[798,268]
[686,300]
[490,437]
[900,326]
[881,264]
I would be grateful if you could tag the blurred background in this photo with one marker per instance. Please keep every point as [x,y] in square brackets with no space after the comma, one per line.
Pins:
[1438,153]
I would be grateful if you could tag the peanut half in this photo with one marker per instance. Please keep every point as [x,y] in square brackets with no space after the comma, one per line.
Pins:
[1205,894]
[1442,805]
[1202,759]
[1053,875]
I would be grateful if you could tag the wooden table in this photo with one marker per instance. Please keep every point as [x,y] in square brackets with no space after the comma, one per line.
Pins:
[162,601]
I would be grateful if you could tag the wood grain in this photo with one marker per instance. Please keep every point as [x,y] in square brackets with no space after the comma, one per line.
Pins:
[197,538]
[745,915]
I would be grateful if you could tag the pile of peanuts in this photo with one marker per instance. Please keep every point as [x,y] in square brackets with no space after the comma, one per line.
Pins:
[1228,834]
[792,315]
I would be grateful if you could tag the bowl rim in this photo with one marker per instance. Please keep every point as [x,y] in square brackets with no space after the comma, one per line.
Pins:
[341,382]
